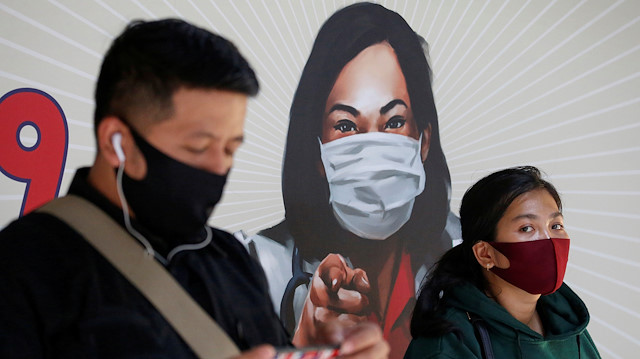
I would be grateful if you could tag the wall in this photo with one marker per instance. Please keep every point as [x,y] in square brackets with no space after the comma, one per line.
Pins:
[549,83]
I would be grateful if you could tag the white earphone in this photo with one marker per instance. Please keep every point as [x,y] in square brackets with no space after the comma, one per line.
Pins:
[116,141]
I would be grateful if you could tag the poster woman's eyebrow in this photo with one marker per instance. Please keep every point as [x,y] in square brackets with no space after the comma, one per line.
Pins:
[346,108]
[391,105]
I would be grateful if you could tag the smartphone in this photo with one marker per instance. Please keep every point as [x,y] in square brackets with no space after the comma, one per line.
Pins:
[321,352]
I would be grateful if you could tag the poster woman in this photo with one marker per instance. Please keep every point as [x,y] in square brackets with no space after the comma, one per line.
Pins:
[365,182]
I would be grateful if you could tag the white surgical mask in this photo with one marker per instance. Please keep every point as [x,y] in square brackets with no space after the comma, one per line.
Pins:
[373,179]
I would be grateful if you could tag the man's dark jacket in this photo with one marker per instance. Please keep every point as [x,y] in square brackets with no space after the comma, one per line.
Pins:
[59,298]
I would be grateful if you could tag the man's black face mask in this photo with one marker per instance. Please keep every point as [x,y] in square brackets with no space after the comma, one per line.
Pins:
[173,200]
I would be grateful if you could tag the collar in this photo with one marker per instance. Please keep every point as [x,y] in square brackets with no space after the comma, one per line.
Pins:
[402,294]
[396,322]
[80,186]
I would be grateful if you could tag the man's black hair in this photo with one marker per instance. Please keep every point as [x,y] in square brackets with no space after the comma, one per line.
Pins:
[149,61]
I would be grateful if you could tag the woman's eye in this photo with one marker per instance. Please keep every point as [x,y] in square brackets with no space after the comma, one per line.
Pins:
[395,122]
[345,126]
[557,226]
[526,229]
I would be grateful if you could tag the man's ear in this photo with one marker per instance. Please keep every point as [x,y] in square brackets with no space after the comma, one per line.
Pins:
[107,128]
[485,254]
[426,142]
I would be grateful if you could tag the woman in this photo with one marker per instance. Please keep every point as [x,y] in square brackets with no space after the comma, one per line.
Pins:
[507,276]
[365,183]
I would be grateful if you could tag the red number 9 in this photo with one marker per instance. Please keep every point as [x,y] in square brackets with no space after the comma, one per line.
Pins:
[40,165]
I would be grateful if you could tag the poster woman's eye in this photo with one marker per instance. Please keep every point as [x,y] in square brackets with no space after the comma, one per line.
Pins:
[395,122]
[345,126]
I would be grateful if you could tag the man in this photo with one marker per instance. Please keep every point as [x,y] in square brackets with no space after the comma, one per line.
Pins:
[170,106]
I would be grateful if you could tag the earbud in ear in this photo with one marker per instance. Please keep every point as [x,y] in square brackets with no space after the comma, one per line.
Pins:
[116,141]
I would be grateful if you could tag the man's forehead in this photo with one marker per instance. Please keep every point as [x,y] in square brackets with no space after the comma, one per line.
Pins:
[237,136]
[200,108]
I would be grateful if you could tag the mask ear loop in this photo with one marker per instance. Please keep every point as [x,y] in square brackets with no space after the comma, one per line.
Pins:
[127,220]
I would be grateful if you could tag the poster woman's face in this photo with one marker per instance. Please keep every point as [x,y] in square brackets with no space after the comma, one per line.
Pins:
[369,95]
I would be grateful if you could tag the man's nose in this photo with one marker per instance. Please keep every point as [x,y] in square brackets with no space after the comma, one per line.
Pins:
[219,162]
[221,168]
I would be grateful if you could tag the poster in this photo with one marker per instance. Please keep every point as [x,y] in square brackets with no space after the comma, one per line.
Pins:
[552,84]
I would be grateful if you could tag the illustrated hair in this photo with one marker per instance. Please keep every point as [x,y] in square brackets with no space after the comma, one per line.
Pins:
[305,190]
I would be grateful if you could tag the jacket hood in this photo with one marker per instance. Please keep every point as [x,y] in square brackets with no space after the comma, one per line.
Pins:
[563,313]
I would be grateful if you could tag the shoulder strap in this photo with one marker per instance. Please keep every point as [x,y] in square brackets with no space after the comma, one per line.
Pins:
[482,335]
[193,324]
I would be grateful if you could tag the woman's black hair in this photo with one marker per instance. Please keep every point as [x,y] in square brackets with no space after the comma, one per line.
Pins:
[482,207]
[305,190]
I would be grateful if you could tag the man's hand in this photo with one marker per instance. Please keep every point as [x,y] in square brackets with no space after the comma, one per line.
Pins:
[335,313]
[363,341]
[360,341]
[259,352]
[337,295]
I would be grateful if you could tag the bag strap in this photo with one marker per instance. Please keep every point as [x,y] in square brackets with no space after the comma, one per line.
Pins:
[190,321]
[482,335]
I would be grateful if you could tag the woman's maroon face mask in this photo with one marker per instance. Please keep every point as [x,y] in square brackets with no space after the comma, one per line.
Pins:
[537,267]
[531,236]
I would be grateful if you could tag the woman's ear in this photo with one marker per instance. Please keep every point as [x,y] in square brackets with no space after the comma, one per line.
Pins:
[488,257]
[426,142]
[485,254]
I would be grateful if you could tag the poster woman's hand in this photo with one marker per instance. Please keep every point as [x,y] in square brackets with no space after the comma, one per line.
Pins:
[338,294]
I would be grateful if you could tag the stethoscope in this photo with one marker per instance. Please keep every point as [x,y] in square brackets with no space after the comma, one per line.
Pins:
[300,277]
